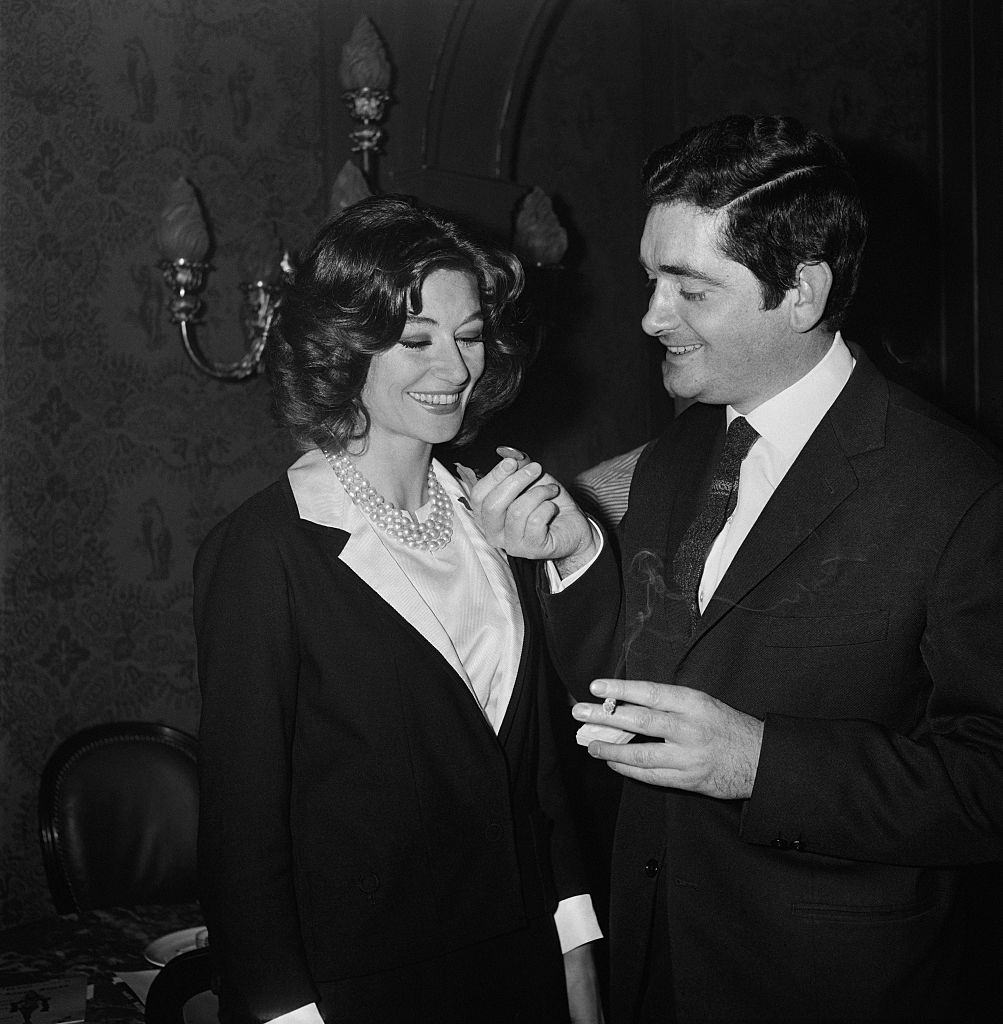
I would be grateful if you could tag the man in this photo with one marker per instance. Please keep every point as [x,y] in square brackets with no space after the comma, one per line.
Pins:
[815,687]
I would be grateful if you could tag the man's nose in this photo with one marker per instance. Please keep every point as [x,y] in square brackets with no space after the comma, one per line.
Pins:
[661,315]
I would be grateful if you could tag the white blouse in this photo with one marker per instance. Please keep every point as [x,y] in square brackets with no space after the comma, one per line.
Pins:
[461,598]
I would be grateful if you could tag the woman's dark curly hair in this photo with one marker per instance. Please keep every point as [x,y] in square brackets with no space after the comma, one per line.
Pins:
[348,300]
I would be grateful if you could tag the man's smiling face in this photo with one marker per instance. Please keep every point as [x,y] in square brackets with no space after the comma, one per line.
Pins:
[721,346]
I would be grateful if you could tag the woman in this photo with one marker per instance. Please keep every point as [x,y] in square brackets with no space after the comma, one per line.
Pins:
[384,836]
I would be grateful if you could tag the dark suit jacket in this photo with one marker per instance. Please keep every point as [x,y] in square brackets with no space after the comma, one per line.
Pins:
[862,619]
[358,812]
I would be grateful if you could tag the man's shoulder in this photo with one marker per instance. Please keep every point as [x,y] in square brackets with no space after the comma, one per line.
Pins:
[937,441]
[696,426]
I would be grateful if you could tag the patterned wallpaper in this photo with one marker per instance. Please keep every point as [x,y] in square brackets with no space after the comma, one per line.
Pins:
[117,454]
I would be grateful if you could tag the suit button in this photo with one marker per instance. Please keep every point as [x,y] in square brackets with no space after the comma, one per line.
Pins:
[781,844]
[493,832]
[796,845]
[651,868]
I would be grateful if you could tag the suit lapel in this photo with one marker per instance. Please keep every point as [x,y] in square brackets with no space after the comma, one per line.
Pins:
[325,508]
[668,495]
[321,503]
[818,482]
[366,556]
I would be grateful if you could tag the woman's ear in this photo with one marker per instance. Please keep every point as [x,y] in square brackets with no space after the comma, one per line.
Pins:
[810,293]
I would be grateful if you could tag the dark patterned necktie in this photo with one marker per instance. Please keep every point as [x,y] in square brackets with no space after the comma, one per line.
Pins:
[688,562]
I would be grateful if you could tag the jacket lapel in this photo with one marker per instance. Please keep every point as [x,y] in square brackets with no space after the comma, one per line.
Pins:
[322,503]
[818,482]
[656,614]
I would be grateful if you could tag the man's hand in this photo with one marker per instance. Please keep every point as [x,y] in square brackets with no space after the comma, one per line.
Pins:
[584,1001]
[529,514]
[708,747]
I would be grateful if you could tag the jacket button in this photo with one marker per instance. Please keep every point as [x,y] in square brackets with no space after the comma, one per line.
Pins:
[493,832]
[781,844]
[796,845]
[651,868]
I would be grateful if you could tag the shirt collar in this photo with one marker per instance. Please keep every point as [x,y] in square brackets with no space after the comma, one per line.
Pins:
[322,500]
[788,419]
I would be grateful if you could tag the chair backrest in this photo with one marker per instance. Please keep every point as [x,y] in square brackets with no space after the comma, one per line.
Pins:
[181,978]
[118,817]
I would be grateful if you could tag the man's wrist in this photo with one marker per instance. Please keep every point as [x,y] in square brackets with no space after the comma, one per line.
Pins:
[570,564]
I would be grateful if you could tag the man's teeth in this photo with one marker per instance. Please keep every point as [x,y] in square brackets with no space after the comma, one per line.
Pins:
[435,398]
[678,350]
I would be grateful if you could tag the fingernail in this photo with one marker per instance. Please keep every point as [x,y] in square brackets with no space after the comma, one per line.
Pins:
[508,465]
[580,711]
[512,453]
[598,687]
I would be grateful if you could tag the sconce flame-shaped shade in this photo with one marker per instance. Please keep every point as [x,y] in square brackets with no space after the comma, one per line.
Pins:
[182,231]
[349,187]
[364,62]
[262,260]
[539,236]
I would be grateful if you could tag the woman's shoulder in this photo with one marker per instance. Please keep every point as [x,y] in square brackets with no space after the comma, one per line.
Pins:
[272,506]
[258,520]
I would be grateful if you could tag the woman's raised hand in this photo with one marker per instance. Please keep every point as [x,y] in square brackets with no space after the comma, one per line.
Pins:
[525,511]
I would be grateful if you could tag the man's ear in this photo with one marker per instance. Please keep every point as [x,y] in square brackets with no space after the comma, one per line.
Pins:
[809,294]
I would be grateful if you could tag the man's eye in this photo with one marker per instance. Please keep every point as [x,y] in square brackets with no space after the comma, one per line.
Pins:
[692,296]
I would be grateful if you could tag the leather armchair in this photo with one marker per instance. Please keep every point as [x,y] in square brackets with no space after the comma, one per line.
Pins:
[118,817]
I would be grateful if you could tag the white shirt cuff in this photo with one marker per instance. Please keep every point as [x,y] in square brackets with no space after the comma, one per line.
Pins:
[308,1014]
[554,577]
[576,922]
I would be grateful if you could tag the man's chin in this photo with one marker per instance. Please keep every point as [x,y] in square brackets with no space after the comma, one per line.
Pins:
[675,385]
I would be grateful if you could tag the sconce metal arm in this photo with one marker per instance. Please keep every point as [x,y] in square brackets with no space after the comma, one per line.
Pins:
[186,279]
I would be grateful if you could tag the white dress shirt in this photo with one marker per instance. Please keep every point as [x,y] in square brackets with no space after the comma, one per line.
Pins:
[784,422]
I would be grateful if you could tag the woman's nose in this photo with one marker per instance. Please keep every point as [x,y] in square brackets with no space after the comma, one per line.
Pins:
[661,315]
[450,365]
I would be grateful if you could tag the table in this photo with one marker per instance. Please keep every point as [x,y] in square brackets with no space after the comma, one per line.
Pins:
[97,943]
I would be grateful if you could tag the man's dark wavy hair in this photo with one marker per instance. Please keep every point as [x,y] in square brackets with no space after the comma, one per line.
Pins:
[348,299]
[787,193]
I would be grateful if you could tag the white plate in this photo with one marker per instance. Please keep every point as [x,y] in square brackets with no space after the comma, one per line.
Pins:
[159,951]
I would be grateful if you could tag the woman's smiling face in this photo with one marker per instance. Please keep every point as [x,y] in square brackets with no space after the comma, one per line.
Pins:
[417,390]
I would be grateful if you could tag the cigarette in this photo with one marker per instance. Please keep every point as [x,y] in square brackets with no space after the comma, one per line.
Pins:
[609,705]
[507,452]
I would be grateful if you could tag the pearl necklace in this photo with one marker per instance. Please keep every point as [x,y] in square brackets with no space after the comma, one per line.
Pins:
[434,533]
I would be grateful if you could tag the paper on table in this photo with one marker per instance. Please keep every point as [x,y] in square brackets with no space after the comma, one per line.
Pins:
[138,981]
[59,1000]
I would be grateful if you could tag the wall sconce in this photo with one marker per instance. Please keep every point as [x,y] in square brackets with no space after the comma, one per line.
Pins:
[365,74]
[183,236]
[540,241]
